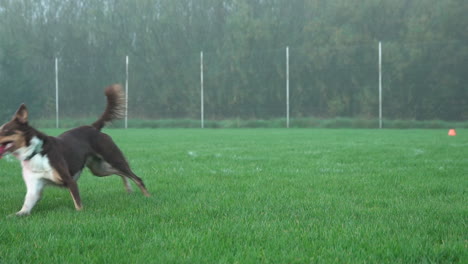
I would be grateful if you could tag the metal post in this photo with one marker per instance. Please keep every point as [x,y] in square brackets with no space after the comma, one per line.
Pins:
[56,95]
[287,87]
[380,84]
[126,91]
[202,110]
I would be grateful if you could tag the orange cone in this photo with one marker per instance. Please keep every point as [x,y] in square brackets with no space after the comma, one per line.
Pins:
[452,132]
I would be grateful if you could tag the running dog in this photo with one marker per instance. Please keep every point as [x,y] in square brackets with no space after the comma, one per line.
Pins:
[59,161]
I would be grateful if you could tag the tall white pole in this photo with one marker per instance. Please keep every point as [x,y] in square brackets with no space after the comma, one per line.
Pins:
[56,95]
[126,91]
[287,87]
[202,110]
[380,84]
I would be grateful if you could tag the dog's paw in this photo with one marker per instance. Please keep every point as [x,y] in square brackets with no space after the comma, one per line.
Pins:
[22,213]
[18,214]
[11,216]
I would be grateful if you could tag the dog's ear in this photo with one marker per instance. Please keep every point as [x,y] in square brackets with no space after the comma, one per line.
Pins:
[21,114]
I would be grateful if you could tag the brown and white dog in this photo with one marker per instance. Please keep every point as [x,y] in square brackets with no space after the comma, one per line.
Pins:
[59,160]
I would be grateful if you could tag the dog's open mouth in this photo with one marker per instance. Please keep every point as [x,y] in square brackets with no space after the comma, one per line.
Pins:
[4,147]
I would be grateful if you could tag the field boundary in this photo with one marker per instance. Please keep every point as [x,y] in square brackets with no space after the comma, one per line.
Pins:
[339,122]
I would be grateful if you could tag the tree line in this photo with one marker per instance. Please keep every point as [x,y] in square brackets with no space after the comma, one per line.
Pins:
[333,57]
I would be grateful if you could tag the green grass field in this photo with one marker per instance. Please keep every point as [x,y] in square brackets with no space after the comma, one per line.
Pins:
[255,196]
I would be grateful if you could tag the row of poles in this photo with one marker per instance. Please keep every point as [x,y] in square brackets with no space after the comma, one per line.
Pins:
[202,108]
[202,118]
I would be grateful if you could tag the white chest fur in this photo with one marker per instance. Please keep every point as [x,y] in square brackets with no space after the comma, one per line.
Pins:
[37,168]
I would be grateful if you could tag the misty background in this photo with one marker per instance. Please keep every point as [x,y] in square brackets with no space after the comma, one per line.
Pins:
[333,47]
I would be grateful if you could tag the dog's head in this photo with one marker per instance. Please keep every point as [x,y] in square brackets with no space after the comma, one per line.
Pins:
[13,133]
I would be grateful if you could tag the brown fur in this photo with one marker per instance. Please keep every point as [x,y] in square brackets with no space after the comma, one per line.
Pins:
[70,152]
[115,106]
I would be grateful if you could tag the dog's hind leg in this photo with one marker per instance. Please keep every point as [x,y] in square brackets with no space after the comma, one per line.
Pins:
[112,161]
[140,184]
[128,187]
[101,168]
[126,173]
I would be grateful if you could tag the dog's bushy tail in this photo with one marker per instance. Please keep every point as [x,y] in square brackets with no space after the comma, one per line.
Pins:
[115,106]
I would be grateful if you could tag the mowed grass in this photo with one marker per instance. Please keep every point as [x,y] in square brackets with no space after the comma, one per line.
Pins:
[255,196]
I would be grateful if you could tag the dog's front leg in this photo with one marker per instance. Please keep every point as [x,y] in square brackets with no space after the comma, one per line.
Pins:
[62,173]
[33,194]
[73,187]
